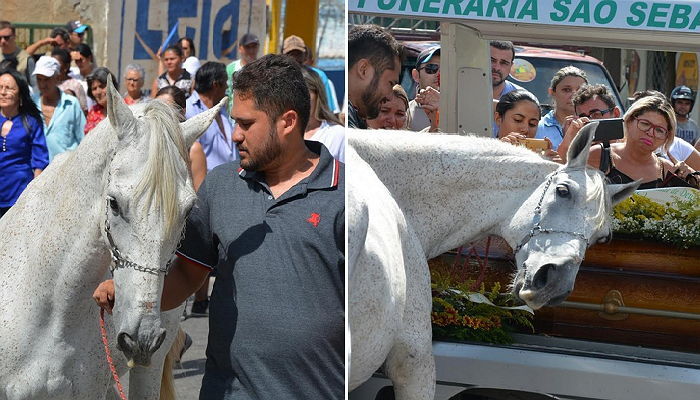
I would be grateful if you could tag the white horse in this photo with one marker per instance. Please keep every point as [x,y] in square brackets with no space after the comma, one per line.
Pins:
[119,202]
[414,196]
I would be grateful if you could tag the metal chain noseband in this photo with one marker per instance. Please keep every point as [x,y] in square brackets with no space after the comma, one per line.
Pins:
[121,261]
[537,228]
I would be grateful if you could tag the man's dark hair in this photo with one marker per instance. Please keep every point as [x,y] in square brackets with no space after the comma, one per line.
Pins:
[101,75]
[276,85]
[7,24]
[62,32]
[644,93]
[587,92]
[84,51]
[208,74]
[62,54]
[503,45]
[375,44]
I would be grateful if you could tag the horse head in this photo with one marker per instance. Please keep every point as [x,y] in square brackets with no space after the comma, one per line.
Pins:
[147,196]
[565,215]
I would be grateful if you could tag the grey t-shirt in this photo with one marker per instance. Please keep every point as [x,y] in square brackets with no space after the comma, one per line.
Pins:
[687,131]
[276,323]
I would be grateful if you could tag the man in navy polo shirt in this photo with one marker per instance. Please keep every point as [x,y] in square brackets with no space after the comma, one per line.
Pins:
[272,224]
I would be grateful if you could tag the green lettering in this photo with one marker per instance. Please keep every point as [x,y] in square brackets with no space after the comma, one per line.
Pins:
[598,12]
[513,7]
[561,6]
[680,16]
[361,4]
[582,11]
[475,6]
[637,9]
[386,4]
[415,5]
[429,8]
[455,6]
[696,22]
[498,6]
[529,9]
[657,12]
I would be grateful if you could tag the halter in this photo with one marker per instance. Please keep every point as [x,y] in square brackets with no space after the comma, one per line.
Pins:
[121,261]
[537,228]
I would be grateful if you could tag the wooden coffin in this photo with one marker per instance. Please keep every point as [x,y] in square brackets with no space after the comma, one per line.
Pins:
[646,277]
[632,292]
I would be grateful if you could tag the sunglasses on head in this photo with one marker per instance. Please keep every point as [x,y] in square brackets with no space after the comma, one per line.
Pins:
[430,69]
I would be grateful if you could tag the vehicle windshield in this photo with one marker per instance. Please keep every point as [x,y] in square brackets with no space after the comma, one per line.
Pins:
[547,67]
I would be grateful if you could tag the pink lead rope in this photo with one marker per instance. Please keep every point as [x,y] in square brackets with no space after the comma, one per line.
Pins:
[108,353]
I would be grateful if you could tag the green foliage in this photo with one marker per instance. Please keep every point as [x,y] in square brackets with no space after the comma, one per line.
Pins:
[676,223]
[456,317]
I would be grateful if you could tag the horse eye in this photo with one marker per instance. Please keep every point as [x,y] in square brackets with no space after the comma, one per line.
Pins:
[562,190]
[113,204]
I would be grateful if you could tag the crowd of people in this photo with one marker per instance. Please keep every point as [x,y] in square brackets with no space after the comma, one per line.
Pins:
[658,133]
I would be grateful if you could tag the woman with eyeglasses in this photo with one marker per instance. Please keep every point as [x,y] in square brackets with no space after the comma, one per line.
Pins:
[649,123]
[23,151]
[134,79]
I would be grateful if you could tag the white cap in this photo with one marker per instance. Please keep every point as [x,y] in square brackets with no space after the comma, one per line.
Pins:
[47,66]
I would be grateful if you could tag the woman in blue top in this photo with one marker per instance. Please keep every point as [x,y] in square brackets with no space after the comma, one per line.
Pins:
[23,152]
[564,84]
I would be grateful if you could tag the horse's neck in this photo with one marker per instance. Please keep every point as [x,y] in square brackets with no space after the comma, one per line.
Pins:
[66,203]
[453,195]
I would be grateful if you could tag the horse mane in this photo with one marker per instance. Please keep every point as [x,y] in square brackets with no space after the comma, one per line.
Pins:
[392,147]
[165,150]
[600,192]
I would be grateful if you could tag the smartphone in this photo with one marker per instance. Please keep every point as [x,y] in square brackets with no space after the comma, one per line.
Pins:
[608,129]
[534,144]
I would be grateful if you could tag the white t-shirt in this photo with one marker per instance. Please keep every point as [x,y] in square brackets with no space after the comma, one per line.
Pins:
[333,137]
[680,149]
[191,65]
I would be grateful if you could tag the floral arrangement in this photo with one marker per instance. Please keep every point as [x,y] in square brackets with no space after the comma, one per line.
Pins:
[676,223]
[460,313]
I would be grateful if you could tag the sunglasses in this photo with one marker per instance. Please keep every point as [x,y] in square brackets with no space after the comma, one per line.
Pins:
[430,69]
[6,38]
[596,114]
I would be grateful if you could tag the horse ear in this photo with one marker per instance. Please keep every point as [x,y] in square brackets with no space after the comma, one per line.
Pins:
[195,126]
[120,117]
[577,156]
[623,191]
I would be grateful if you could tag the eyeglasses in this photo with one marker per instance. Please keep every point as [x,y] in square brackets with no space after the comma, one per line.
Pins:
[430,69]
[645,125]
[133,79]
[596,114]
[7,38]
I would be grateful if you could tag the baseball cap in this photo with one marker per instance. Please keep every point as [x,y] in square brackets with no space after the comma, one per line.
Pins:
[47,66]
[247,39]
[426,55]
[293,42]
[76,26]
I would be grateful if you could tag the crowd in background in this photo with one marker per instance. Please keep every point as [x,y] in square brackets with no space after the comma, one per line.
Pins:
[49,101]
[658,135]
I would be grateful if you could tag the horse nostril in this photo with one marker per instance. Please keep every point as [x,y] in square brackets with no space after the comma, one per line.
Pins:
[125,342]
[539,281]
[157,341]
